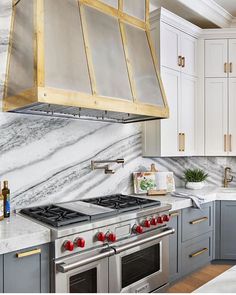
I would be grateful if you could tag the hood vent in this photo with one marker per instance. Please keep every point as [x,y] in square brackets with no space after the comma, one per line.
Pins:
[84,59]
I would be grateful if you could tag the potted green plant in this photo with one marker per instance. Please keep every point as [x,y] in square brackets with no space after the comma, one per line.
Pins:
[195,178]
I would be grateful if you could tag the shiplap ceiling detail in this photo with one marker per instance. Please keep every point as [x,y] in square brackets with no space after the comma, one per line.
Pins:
[203,13]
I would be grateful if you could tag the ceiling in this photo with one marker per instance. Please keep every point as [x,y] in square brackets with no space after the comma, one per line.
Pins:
[203,13]
[229,5]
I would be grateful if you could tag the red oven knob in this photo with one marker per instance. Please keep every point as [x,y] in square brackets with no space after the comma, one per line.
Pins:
[101,237]
[153,221]
[147,223]
[138,229]
[69,246]
[160,219]
[111,237]
[80,242]
[166,218]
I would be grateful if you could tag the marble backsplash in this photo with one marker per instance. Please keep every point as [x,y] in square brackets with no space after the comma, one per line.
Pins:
[48,160]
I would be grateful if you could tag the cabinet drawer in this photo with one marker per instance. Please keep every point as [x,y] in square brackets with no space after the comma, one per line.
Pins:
[196,253]
[196,222]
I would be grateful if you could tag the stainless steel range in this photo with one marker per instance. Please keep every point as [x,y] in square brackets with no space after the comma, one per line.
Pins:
[112,244]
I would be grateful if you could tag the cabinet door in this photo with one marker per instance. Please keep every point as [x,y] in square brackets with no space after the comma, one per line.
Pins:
[216,103]
[232,58]
[27,271]
[175,247]
[232,117]
[228,230]
[170,47]
[189,52]
[187,112]
[160,138]
[1,273]
[216,56]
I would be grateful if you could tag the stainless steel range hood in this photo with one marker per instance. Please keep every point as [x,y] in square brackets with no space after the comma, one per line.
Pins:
[84,59]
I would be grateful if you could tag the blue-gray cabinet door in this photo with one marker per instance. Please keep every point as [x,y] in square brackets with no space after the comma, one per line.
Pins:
[1,273]
[228,230]
[175,247]
[27,271]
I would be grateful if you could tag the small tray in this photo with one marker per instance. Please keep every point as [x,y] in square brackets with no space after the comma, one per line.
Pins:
[157,192]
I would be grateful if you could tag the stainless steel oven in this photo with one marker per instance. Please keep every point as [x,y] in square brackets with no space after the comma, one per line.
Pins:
[140,265]
[83,273]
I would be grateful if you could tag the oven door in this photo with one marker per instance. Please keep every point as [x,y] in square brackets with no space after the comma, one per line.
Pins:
[141,266]
[83,273]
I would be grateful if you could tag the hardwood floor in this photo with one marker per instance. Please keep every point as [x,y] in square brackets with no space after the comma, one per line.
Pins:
[198,278]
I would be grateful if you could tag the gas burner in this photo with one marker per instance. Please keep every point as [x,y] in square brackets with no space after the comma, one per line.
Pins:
[122,203]
[55,215]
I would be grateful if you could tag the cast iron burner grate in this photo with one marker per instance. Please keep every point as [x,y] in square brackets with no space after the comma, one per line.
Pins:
[123,203]
[55,215]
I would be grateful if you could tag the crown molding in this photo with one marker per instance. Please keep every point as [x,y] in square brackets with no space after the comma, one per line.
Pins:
[174,20]
[211,11]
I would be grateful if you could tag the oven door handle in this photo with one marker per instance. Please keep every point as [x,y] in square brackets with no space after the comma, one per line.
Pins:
[125,247]
[64,267]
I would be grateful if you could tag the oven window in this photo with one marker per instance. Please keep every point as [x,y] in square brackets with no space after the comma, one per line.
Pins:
[140,264]
[85,282]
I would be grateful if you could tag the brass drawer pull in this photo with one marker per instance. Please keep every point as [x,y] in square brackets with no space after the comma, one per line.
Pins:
[231,67]
[28,253]
[198,220]
[198,253]
[174,214]
[179,60]
[183,62]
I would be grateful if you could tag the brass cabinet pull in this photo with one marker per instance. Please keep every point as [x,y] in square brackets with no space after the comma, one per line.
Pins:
[230,142]
[231,67]
[198,252]
[225,67]
[28,253]
[181,142]
[174,214]
[183,62]
[225,142]
[198,220]
[179,60]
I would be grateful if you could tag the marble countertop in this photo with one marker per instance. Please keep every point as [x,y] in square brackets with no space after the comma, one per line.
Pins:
[224,283]
[209,194]
[18,233]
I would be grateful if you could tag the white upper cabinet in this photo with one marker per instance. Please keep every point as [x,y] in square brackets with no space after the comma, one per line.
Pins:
[232,117]
[189,54]
[169,47]
[232,58]
[187,113]
[216,105]
[178,50]
[216,58]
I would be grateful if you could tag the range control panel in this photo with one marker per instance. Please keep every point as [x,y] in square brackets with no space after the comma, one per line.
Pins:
[109,234]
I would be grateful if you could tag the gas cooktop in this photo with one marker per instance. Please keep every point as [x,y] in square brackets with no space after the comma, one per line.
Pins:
[87,210]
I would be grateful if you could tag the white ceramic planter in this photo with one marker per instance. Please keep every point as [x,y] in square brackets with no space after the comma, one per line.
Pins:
[195,185]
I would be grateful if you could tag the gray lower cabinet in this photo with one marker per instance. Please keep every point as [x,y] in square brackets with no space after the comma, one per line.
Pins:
[175,247]
[227,230]
[27,271]
[196,222]
[196,253]
[1,273]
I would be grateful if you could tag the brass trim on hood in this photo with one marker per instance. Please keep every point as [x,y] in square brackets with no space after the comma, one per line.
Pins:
[41,93]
